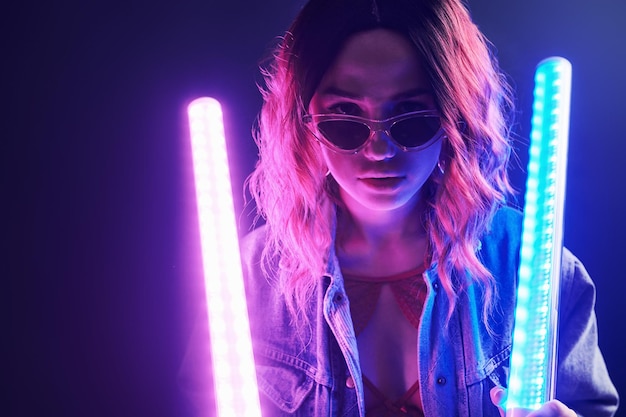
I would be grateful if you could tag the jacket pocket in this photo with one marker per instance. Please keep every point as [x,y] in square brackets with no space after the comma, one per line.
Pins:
[286,380]
[488,373]
[495,368]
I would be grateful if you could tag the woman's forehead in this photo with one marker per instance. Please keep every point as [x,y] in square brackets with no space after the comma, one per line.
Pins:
[377,63]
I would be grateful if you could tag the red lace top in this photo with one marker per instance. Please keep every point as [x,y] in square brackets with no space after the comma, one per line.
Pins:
[409,290]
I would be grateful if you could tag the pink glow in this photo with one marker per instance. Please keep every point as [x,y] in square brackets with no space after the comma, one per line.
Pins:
[231,349]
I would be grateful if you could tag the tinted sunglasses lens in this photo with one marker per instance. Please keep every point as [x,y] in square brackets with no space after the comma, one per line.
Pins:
[415,131]
[344,134]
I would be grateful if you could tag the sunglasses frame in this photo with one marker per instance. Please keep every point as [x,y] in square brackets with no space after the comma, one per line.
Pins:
[374,126]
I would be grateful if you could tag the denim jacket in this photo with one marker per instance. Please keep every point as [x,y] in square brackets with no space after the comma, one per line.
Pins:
[315,371]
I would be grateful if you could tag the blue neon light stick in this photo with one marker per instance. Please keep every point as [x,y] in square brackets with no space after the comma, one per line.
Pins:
[533,359]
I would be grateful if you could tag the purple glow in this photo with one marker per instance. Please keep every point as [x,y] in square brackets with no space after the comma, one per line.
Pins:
[231,349]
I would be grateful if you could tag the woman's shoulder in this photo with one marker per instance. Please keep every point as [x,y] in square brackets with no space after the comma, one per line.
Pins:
[503,235]
[507,221]
[254,241]
[500,246]
[251,247]
[260,272]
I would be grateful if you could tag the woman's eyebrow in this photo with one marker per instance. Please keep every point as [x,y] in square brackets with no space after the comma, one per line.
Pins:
[413,93]
[332,90]
[340,92]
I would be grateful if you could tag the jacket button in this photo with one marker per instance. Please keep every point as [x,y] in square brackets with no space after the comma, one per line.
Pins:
[436,286]
[350,382]
[339,298]
[441,380]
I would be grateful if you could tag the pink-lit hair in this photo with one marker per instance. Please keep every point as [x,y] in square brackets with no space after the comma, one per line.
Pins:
[289,184]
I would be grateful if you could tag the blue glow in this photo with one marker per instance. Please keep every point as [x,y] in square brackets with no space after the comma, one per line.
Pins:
[531,382]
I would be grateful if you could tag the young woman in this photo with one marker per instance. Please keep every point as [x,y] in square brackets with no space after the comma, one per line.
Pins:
[383,282]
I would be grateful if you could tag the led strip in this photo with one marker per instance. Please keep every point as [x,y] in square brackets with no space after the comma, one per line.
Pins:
[231,349]
[533,359]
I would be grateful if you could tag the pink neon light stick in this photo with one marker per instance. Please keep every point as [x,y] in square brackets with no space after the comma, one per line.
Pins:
[231,349]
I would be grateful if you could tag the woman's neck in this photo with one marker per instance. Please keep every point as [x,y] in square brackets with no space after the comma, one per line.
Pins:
[381,243]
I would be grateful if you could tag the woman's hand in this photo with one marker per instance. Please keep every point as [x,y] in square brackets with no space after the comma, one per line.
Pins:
[553,408]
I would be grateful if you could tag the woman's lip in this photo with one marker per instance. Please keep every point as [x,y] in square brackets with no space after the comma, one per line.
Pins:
[382,182]
[381,176]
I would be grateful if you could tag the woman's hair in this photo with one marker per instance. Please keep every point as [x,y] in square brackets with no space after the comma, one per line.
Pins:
[290,185]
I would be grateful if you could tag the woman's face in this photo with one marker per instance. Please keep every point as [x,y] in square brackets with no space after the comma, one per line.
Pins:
[377,75]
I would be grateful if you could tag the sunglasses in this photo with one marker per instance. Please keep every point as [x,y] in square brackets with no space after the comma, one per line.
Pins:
[345,133]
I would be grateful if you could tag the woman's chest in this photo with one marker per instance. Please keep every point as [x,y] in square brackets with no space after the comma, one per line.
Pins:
[388,353]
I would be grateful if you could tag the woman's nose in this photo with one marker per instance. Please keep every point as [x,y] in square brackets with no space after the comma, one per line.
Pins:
[380,147]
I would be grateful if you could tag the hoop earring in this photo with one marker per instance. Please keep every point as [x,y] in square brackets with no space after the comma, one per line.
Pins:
[441,164]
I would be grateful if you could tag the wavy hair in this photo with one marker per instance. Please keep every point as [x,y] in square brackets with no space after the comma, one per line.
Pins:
[289,184]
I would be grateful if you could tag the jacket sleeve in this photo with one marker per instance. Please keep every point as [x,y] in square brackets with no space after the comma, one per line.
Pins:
[583,382]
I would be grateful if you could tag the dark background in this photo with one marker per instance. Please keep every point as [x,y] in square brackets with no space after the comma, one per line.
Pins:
[98,227]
